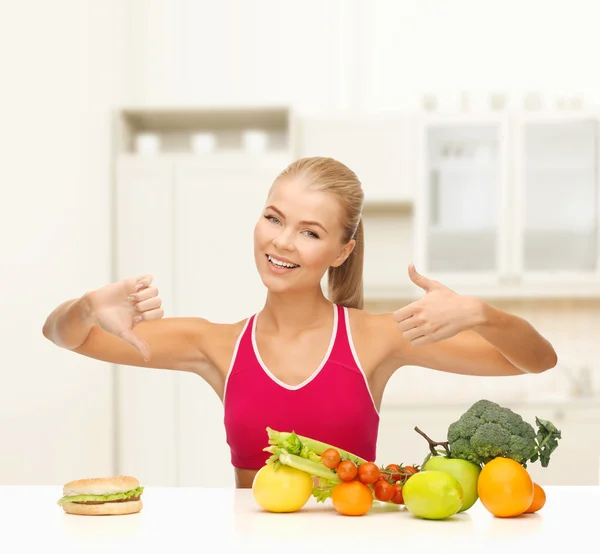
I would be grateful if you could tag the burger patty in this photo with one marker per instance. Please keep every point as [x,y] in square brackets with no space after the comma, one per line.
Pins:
[132,499]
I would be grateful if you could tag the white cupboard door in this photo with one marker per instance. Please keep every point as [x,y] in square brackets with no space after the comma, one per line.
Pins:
[462,199]
[217,207]
[576,460]
[376,147]
[147,441]
[398,442]
[557,198]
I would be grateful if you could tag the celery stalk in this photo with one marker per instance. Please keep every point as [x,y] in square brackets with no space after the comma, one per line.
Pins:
[305,447]
[316,469]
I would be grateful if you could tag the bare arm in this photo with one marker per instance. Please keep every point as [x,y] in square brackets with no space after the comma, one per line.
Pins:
[465,335]
[69,325]
[516,339]
[103,325]
[467,353]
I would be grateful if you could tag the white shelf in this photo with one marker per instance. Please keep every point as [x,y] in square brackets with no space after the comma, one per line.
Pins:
[374,208]
[214,117]
[174,127]
[220,158]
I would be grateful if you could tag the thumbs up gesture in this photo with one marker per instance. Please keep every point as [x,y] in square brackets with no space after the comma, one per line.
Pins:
[439,315]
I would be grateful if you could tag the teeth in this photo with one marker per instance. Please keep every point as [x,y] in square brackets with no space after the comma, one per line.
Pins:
[281,264]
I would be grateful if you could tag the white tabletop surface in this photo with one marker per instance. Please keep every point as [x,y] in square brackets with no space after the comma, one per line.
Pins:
[210,520]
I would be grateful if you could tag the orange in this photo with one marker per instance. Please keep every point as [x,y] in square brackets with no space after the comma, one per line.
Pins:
[505,488]
[539,499]
[352,498]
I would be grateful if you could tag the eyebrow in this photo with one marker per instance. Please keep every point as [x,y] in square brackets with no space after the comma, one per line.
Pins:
[316,223]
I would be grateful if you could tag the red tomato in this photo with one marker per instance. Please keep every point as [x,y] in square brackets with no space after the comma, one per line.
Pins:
[330,458]
[410,470]
[394,470]
[384,491]
[397,498]
[347,470]
[368,473]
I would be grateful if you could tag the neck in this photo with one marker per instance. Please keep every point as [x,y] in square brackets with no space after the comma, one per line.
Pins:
[294,312]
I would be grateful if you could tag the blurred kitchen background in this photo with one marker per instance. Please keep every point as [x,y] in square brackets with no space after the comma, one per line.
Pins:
[142,136]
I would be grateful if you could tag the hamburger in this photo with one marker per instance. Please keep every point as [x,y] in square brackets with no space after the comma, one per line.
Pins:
[102,496]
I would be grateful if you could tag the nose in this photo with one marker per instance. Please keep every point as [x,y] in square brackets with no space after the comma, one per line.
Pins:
[283,241]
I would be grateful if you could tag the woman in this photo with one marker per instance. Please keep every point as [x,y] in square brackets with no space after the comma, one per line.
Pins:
[306,363]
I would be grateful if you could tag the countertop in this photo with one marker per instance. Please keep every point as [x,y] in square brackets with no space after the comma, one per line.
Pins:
[211,520]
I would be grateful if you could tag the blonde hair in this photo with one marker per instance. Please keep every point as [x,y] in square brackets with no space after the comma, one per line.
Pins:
[345,283]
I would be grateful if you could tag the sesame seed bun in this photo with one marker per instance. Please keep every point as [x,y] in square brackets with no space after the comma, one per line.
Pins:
[101,485]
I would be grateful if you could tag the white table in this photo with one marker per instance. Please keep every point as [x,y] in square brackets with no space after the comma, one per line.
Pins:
[190,519]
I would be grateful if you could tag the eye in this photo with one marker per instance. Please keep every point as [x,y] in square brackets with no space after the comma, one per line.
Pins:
[312,235]
[272,219]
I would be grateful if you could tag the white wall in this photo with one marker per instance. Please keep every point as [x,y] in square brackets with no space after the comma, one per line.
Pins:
[66,63]
[361,54]
[63,67]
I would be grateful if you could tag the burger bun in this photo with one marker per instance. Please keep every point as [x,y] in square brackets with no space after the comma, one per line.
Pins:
[101,486]
[106,509]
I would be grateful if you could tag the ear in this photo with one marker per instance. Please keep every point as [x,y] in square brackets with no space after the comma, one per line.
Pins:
[344,253]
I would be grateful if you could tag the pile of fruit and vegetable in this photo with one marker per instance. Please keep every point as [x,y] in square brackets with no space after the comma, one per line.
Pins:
[485,457]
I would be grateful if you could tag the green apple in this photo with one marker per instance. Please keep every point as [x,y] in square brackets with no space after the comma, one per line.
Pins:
[432,495]
[465,472]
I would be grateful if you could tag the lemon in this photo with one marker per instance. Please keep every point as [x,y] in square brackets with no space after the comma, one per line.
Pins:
[284,489]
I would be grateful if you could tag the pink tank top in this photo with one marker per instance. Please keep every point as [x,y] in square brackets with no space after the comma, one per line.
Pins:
[334,405]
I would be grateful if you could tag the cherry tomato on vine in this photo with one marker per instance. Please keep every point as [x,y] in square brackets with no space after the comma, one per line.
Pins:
[394,470]
[330,458]
[384,491]
[368,473]
[398,498]
[347,470]
[410,470]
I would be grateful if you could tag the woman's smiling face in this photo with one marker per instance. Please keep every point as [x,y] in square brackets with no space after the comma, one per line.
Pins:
[298,237]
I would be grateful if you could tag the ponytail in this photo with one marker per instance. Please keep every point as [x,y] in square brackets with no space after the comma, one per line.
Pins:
[345,282]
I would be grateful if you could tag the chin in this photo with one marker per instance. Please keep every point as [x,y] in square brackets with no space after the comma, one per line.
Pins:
[273,284]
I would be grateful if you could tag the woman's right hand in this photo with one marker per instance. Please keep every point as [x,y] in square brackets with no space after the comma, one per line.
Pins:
[117,308]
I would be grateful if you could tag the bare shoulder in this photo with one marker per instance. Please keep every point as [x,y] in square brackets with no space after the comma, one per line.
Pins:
[218,341]
[372,334]
[371,324]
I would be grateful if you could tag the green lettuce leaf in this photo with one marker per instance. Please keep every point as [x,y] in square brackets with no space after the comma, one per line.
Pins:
[101,497]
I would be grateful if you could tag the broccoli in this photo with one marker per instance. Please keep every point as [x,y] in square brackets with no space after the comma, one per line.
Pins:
[487,430]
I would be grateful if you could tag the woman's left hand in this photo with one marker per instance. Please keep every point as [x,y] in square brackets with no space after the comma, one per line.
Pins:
[439,315]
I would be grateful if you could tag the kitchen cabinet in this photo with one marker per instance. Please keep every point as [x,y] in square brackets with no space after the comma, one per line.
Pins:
[462,204]
[216,279]
[398,442]
[145,405]
[507,201]
[187,220]
[378,147]
[556,198]
[576,461]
